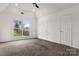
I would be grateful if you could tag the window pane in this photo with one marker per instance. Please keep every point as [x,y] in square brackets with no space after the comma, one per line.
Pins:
[21,28]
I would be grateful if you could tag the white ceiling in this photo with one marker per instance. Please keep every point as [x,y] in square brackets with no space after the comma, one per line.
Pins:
[3,6]
[29,6]
[55,7]
[58,5]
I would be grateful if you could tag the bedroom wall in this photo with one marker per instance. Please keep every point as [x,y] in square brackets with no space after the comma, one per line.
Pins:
[6,25]
[50,27]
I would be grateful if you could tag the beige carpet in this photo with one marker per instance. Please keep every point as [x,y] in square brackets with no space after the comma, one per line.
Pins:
[35,47]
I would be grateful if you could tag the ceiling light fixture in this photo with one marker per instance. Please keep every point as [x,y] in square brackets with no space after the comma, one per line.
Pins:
[16,4]
[36,5]
[22,12]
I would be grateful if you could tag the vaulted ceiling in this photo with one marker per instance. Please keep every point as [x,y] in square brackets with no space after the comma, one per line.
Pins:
[29,6]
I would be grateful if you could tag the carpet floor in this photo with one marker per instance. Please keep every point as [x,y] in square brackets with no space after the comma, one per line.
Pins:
[36,47]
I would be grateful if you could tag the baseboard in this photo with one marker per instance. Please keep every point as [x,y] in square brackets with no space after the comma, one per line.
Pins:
[59,43]
[18,40]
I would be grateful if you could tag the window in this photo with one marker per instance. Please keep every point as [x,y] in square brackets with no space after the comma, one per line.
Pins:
[21,28]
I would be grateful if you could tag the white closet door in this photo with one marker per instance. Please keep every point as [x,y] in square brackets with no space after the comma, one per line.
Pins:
[65,31]
[53,29]
[75,30]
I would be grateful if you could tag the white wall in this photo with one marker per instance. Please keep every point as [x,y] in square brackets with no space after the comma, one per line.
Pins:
[48,25]
[75,27]
[6,25]
[52,26]
[72,15]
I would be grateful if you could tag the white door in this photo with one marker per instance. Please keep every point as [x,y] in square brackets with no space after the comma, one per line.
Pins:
[65,31]
[53,29]
[75,30]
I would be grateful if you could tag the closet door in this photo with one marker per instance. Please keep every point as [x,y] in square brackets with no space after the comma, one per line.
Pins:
[75,29]
[65,31]
[53,29]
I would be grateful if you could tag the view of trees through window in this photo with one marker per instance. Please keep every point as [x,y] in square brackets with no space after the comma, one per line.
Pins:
[21,28]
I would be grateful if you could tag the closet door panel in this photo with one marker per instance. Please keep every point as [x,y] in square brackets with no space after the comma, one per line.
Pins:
[53,29]
[65,29]
[75,30]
